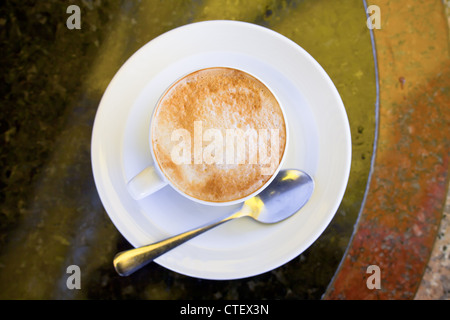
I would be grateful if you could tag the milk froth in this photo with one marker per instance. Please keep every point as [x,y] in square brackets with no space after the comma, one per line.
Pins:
[218,134]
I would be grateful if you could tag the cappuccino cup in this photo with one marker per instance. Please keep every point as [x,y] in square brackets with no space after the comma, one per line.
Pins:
[218,136]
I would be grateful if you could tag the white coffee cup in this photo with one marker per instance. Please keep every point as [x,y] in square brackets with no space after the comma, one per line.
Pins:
[152,178]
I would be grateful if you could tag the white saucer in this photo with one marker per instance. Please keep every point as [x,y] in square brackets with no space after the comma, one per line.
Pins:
[320,144]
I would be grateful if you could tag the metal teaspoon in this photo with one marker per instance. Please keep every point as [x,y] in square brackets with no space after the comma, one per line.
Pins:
[288,192]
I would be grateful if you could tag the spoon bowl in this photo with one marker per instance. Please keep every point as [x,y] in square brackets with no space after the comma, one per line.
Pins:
[286,195]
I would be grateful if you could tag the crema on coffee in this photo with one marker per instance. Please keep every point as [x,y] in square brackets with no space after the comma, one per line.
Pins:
[218,134]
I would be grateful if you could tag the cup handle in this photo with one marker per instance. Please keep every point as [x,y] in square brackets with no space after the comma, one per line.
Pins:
[145,183]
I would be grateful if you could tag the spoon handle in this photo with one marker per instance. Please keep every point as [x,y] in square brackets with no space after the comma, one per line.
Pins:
[129,261]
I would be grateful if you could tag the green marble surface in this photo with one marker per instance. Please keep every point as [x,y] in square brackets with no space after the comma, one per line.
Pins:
[52,81]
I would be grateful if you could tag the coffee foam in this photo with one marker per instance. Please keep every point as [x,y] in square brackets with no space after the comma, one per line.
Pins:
[219,98]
